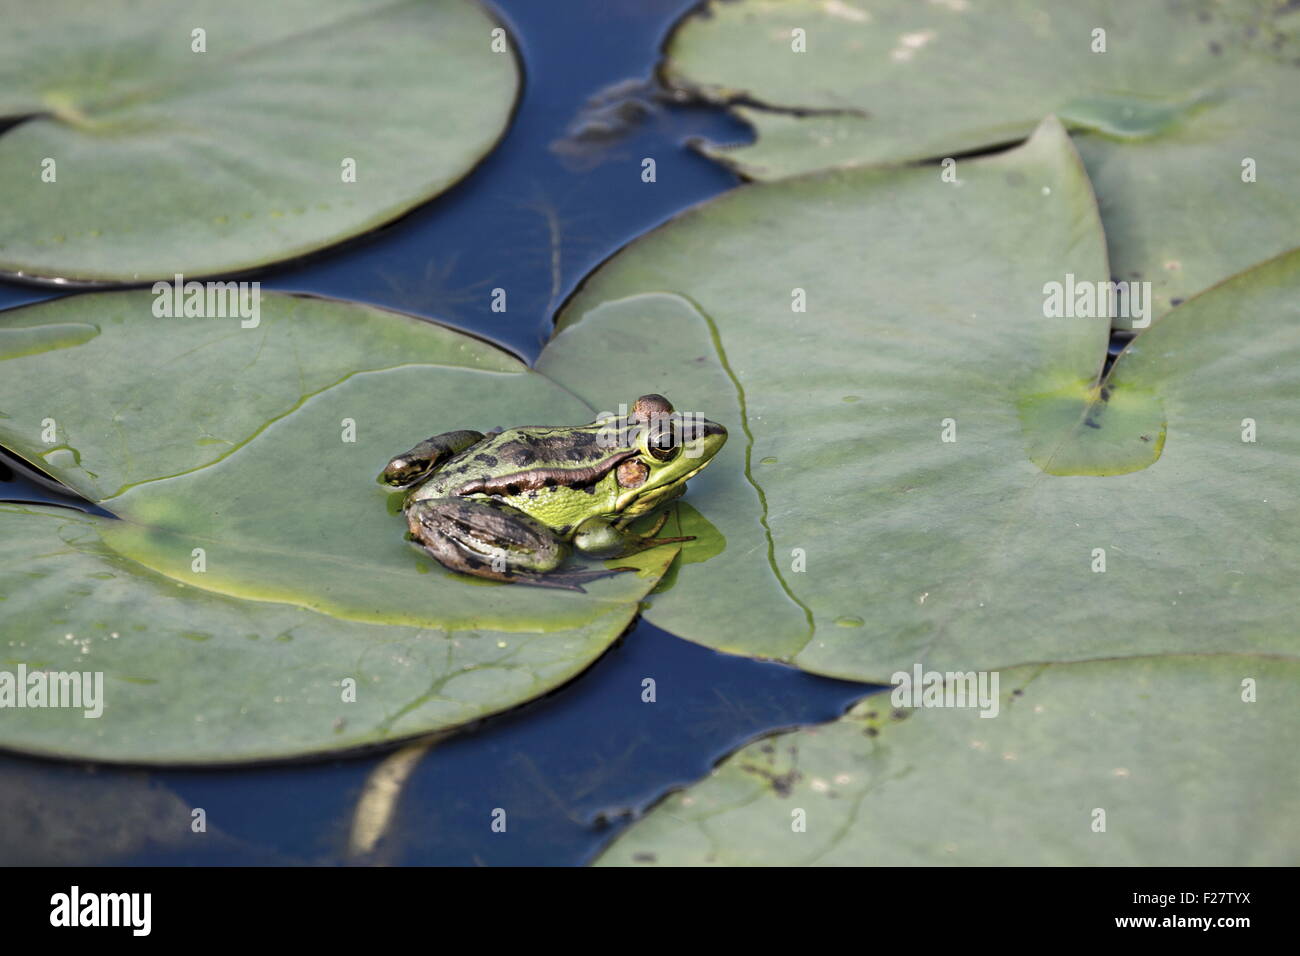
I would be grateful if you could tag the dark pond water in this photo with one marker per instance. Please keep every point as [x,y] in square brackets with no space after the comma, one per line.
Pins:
[539,214]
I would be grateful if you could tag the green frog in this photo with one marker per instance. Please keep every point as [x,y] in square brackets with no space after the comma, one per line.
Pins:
[514,504]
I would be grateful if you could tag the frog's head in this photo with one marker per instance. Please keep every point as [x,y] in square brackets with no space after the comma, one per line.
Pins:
[671,448]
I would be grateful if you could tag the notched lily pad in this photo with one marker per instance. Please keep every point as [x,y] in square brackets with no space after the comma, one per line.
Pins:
[255,597]
[1093,429]
[141,139]
[1185,113]
[1125,117]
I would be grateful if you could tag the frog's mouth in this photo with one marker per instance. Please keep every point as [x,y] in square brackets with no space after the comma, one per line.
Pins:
[710,442]
[691,474]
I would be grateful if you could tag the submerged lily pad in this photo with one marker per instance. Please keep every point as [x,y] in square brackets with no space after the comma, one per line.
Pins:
[1178,761]
[255,565]
[147,138]
[44,819]
[924,465]
[1172,104]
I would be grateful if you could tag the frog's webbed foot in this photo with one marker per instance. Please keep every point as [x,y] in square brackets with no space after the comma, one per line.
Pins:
[648,540]
[491,539]
[604,539]
[425,458]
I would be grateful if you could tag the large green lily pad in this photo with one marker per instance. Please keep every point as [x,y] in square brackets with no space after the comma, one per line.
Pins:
[168,160]
[1183,769]
[857,540]
[201,434]
[1184,93]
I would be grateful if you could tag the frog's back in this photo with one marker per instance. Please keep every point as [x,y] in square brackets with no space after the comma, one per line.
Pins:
[557,475]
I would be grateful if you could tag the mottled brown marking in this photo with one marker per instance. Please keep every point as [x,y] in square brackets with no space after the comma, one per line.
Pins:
[512,485]
[632,473]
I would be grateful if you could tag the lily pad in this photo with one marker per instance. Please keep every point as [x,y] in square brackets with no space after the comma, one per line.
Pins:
[132,154]
[1169,104]
[1159,761]
[255,566]
[1070,517]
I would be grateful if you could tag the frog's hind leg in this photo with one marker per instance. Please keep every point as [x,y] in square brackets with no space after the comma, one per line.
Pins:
[422,460]
[490,539]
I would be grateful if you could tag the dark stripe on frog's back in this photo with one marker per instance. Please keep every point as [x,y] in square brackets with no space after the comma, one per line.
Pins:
[513,484]
[525,446]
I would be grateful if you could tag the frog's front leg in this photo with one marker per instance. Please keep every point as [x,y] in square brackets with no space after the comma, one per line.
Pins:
[422,460]
[602,538]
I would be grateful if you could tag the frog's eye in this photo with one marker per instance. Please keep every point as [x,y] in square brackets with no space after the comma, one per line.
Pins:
[662,441]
